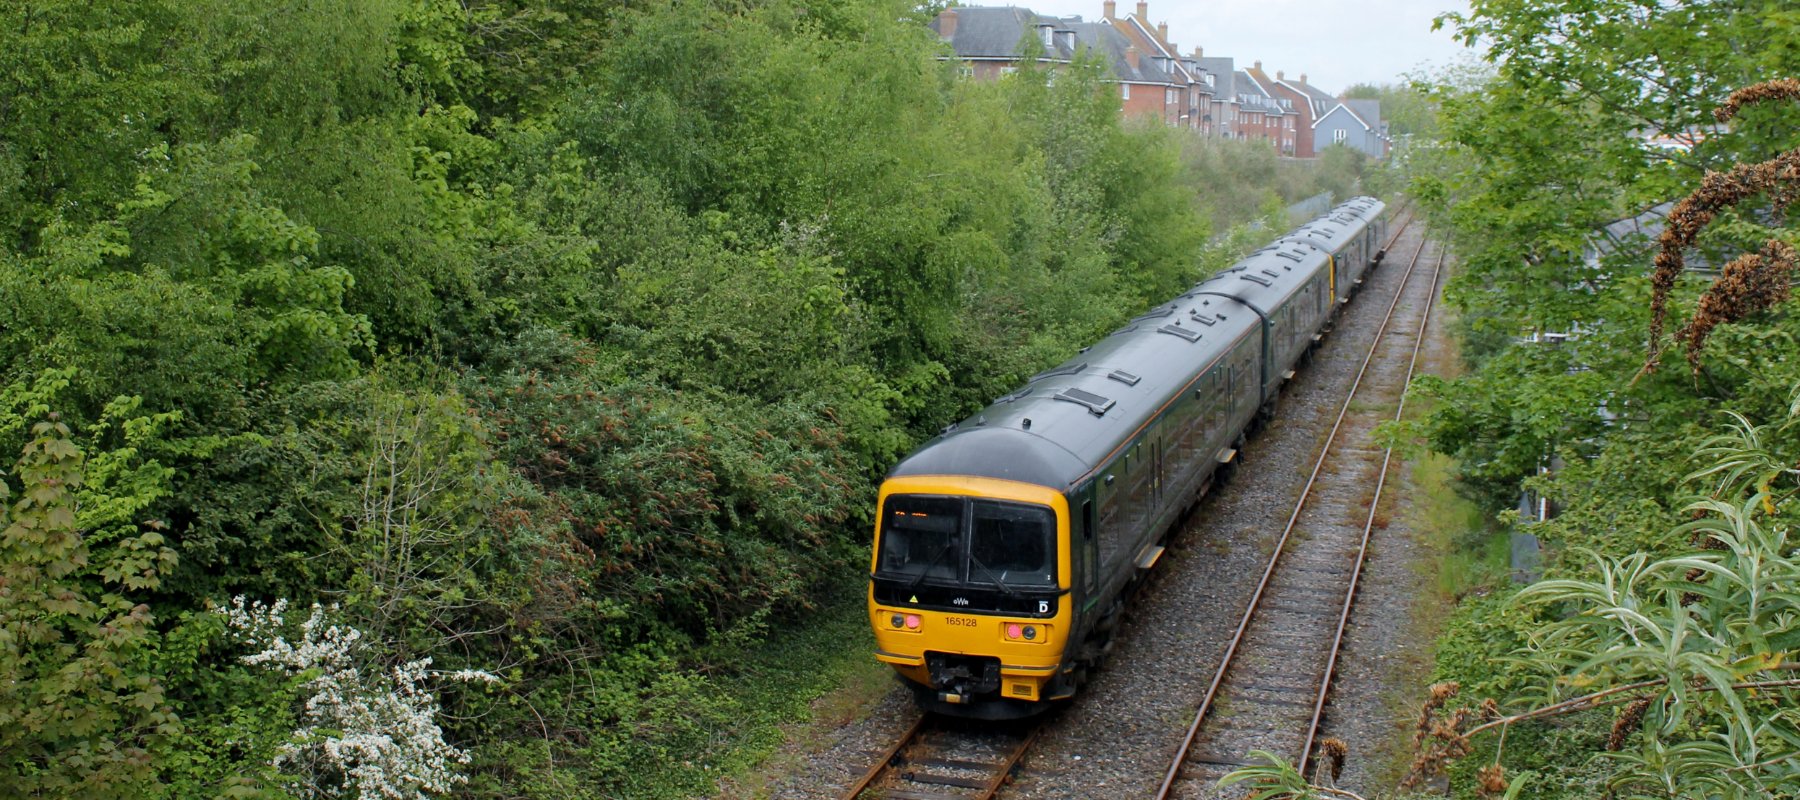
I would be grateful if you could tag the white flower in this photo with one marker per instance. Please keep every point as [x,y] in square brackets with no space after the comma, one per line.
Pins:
[387,743]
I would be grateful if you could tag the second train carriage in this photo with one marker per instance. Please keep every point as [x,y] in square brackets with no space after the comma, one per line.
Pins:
[1005,547]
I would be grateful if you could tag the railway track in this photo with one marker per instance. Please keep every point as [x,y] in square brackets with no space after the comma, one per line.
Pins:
[1273,684]
[940,758]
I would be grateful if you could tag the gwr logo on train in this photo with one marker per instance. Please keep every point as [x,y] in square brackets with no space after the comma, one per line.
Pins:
[1035,518]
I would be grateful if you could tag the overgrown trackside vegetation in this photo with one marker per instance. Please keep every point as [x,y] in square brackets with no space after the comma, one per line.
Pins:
[499,373]
[1657,656]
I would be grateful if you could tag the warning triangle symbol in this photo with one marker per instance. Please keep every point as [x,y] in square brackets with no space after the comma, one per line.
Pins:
[915,599]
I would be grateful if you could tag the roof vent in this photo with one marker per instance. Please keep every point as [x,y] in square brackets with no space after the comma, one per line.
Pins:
[1254,279]
[1155,313]
[1186,333]
[1124,330]
[1018,395]
[1095,404]
[1066,369]
[1203,319]
[1124,377]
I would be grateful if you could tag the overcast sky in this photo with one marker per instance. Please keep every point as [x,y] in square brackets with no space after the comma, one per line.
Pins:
[1334,42]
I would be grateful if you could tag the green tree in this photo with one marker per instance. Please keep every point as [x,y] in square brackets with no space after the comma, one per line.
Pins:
[84,710]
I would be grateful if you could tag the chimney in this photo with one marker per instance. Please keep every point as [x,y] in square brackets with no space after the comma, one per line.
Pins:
[1279,76]
[1131,56]
[1162,31]
[1302,77]
[1258,66]
[1109,8]
[947,23]
[1143,14]
[1198,52]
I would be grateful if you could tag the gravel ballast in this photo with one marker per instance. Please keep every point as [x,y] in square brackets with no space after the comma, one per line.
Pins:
[1117,737]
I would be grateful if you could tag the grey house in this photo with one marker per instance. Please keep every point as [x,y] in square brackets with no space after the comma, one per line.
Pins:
[1353,123]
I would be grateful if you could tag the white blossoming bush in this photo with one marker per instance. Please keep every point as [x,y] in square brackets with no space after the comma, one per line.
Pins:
[364,733]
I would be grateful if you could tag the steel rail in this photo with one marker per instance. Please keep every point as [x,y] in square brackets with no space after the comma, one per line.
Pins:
[989,787]
[1006,766]
[1362,552]
[1262,585]
[887,758]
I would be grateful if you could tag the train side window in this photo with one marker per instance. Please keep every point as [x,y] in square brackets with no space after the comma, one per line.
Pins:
[1141,487]
[1112,517]
[1181,449]
[1087,520]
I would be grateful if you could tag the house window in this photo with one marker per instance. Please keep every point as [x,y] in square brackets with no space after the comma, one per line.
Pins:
[1169,96]
[967,70]
[1125,90]
[1209,80]
[1008,70]
[1339,135]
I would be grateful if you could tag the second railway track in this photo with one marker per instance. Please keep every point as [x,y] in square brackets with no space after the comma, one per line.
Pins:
[1273,683]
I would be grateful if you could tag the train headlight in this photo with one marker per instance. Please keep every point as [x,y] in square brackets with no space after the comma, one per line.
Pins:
[1023,632]
[897,620]
[912,622]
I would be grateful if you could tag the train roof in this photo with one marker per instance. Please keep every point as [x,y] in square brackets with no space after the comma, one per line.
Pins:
[1085,409]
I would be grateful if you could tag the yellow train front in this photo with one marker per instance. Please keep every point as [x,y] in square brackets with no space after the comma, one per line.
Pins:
[969,598]
[1006,547]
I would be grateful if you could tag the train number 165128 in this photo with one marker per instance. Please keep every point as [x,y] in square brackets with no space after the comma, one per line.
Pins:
[967,622]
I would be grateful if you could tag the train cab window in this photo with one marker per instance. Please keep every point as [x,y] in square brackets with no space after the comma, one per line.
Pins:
[1012,544]
[920,537]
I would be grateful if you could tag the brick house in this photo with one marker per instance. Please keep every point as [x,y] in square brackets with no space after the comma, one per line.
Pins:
[986,41]
[1277,112]
[1193,88]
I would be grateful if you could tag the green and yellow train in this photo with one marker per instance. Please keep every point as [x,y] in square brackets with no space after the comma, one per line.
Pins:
[1006,547]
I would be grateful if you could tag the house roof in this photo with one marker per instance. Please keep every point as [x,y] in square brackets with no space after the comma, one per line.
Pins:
[1265,86]
[1111,42]
[1347,112]
[1369,111]
[1252,95]
[1225,74]
[995,33]
[983,32]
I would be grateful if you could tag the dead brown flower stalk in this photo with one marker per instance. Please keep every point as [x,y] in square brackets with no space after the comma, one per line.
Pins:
[1752,282]
[1439,742]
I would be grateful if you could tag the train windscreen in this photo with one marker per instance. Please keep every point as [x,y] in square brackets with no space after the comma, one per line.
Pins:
[1008,545]
[921,537]
[1012,544]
